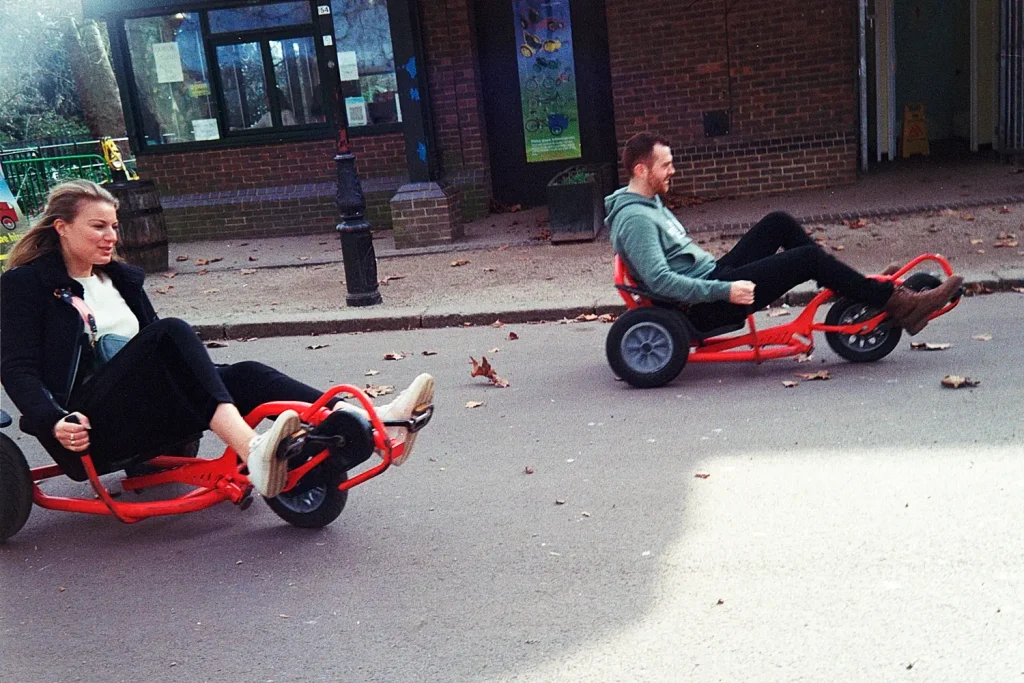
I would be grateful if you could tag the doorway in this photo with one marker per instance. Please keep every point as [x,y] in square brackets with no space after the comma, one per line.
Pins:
[542,36]
[939,53]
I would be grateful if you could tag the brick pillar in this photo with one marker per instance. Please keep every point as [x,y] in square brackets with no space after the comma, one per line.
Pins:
[424,214]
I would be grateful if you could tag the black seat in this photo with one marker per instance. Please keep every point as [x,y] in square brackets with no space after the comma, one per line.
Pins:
[700,335]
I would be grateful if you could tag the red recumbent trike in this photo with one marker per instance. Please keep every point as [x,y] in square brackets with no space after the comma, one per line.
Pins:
[316,492]
[651,342]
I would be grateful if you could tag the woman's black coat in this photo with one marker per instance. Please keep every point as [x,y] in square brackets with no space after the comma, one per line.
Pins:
[42,337]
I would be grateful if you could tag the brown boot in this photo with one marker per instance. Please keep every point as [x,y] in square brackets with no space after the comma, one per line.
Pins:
[911,309]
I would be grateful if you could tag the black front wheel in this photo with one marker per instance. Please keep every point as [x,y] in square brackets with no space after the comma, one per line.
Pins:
[879,342]
[315,501]
[15,488]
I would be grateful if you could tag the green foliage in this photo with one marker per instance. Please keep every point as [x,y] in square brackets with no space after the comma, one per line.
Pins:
[37,89]
[578,176]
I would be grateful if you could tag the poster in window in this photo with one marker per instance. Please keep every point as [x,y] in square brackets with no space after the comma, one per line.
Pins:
[355,111]
[547,82]
[348,66]
[168,63]
[205,129]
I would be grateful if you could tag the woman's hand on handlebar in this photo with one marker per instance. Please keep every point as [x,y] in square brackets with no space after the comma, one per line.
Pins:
[72,432]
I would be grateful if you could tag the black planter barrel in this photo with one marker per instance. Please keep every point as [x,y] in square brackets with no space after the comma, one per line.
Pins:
[576,203]
[142,236]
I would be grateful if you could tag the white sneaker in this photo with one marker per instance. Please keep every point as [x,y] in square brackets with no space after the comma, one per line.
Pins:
[415,399]
[267,473]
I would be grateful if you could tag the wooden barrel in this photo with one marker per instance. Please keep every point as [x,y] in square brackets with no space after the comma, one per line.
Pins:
[142,236]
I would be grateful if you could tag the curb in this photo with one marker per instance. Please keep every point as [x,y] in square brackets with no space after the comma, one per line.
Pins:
[414,319]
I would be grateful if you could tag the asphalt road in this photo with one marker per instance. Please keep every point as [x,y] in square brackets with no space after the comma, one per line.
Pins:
[866,528]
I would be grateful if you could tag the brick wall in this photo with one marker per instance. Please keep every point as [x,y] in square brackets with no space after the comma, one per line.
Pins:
[271,190]
[453,75]
[792,94]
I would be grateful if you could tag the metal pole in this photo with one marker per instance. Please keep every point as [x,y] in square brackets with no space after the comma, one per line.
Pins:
[354,230]
[863,80]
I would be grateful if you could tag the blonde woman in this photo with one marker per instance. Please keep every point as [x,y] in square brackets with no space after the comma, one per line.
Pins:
[161,388]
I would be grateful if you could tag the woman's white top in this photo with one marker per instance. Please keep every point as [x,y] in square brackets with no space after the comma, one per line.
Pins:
[108,307]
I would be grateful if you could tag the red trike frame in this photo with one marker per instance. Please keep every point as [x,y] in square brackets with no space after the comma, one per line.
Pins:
[780,341]
[216,480]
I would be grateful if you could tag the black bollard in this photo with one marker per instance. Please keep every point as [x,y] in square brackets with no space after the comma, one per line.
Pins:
[356,237]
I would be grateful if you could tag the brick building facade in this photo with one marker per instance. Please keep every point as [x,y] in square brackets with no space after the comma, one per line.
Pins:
[784,73]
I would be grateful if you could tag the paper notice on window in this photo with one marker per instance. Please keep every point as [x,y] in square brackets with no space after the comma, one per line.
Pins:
[205,129]
[348,69]
[168,63]
[355,111]
[398,107]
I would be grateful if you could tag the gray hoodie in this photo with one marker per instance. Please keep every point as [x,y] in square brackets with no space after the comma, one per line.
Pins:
[659,252]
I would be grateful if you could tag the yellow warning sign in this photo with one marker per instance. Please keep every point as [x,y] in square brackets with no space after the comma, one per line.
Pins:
[914,138]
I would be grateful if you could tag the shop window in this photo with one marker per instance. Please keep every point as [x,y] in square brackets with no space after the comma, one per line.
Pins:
[366,61]
[259,16]
[172,79]
[245,90]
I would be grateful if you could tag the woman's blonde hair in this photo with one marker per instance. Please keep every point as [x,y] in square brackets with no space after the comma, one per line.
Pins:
[63,203]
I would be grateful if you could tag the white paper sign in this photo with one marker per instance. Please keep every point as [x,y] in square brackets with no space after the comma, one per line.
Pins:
[205,129]
[168,63]
[355,110]
[398,107]
[328,40]
[348,69]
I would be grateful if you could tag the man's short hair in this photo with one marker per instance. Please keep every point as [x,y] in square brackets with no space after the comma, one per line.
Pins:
[639,149]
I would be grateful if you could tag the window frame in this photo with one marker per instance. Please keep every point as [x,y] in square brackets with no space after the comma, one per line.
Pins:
[275,134]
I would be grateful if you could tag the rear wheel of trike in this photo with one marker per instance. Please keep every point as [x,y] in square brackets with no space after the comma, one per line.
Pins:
[878,343]
[648,347]
[315,501]
[15,488]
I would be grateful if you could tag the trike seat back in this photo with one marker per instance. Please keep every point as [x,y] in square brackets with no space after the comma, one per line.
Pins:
[635,294]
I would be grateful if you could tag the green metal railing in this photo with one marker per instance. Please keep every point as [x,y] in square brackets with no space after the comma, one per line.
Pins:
[31,179]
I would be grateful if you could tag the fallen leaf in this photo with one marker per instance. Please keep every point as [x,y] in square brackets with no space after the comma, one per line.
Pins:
[497,323]
[303,258]
[203,271]
[956,382]
[607,317]
[467,324]
[494,350]
[559,501]
[284,616]
[181,257]
[788,383]
[1004,209]
[1006,243]
[459,262]
[314,347]
[396,355]
[527,470]
[586,318]
[216,345]
[275,303]
[512,336]
[980,251]
[484,369]
[210,291]
[1019,290]
[429,353]
[967,217]
[1006,236]
[720,601]
[820,374]
[542,236]
[377,390]
[701,475]
[254,258]
[163,290]
[976,241]
[976,289]
[371,373]
[474,404]
[857,224]
[928,346]
[983,337]
[584,514]
[391,278]
[171,275]
[777,312]
[208,261]
[489,270]
[838,247]
[248,271]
